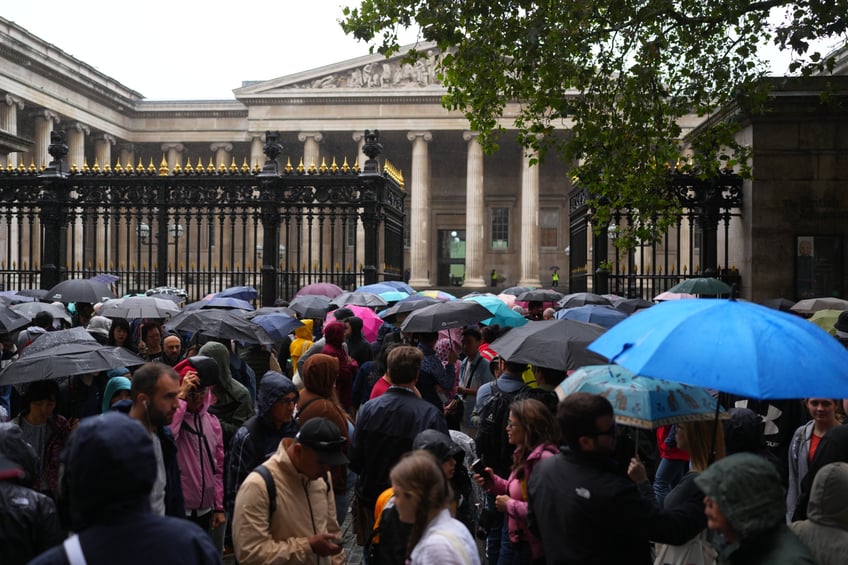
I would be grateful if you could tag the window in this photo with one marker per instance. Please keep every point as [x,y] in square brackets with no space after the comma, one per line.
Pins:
[549,227]
[500,228]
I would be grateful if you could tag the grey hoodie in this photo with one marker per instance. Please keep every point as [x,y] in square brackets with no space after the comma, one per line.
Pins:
[825,531]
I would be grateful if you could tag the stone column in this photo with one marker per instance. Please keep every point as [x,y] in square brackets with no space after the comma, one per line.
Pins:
[76,144]
[76,159]
[103,150]
[359,138]
[223,154]
[126,154]
[311,254]
[529,222]
[174,154]
[474,242]
[257,154]
[421,245]
[9,107]
[45,121]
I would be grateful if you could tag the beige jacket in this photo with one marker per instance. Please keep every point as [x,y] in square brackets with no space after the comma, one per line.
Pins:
[287,540]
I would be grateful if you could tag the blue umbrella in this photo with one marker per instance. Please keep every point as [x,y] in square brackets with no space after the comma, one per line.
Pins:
[736,347]
[604,316]
[502,314]
[242,292]
[642,402]
[400,285]
[278,326]
[227,302]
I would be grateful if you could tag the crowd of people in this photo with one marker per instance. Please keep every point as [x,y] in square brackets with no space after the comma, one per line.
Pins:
[439,450]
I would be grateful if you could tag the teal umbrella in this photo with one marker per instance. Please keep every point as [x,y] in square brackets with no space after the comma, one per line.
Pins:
[502,314]
[642,402]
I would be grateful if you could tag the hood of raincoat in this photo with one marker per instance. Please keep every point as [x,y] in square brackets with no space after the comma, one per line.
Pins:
[110,469]
[334,334]
[207,374]
[16,449]
[219,352]
[828,495]
[319,374]
[438,443]
[355,328]
[743,431]
[272,387]
[748,491]
[305,331]
[112,387]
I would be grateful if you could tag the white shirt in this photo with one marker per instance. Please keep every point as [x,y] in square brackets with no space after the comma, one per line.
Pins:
[446,541]
[157,494]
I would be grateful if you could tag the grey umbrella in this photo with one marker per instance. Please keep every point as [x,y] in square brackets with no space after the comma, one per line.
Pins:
[221,324]
[310,305]
[10,320]
[582,299]
[555,344]
[80,290]
[65,353]
[30,309]
[445,315]
[139,307]
[539,295]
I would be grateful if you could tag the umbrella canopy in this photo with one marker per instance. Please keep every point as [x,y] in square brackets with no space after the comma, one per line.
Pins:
[666,296]
[702,285]
[613,298]
[10,320]
[65,353]
[139,307]
[270,310]
[642,402]
[30,309]
[539,295]
[508,299]
[247,293]
[555,344]
[440,295]
[554,267]
[582,299]
[12,297]
[631,305]
[406,305]
[825,320]
[516,290]
[736,347]
[812,305]
[310,305]
[371,322]
[106,278]
[227,302]
[38,293]
[80,290]
[400,285]
[359,298]
[502,314]
[445,315]
[278,325]
[782,304]
[221,324]
[320,289]
[604,316]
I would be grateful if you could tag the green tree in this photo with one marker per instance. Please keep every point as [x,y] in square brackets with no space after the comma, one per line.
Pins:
[620,75]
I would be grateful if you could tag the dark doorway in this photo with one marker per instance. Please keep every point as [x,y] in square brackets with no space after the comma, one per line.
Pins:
[451,258]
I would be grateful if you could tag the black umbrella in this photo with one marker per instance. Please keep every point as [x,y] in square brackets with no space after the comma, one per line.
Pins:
[367,299]
[445,315]
[31,309]
[582,299]
[555,344]
[310,305]
[10,320]
[782,304]
[65,353]
[80,290]
[407,305]
[220,324]
[516,290]
[555,268]
[631,305]
[38,293]
[264,310]
[539,295]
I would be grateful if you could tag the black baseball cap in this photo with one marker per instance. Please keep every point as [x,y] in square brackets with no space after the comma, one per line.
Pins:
[323,436]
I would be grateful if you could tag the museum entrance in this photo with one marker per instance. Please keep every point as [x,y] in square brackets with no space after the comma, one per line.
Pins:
[451,257]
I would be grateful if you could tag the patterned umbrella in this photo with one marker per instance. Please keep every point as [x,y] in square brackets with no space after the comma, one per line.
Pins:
[439,295]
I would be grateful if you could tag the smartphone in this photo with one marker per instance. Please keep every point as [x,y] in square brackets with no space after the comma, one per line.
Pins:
[479,467]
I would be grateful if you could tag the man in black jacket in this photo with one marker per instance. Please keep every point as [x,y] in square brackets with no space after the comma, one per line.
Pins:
[582,506]
[385,428]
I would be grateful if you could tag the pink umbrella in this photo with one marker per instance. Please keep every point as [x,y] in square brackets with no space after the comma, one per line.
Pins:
[508,299]
[371,322]
[320,289]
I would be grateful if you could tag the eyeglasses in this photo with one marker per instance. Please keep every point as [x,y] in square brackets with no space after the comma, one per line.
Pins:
[512,425]
[610,432]
[288,400]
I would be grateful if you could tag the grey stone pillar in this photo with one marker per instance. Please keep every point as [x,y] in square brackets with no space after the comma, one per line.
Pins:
[45,121]
[103,150]
[474,242]
[9,107]
[421,245]
[223,154]
[174,154]
[529,222]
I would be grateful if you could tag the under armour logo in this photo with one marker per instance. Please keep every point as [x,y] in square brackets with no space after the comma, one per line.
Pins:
[772,414]
[583,493]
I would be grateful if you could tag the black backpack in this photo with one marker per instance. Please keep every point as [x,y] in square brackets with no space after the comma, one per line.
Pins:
[547,397]
[492,443]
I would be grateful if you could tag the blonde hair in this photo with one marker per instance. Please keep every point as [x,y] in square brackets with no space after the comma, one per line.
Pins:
[701,438]
[420,473]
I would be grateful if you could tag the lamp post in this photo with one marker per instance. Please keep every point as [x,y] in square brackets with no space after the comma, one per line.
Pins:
[143,233]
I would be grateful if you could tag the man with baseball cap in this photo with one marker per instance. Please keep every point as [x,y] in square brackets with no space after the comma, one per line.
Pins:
[303,525]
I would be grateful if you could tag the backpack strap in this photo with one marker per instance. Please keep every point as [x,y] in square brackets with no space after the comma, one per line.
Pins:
[73,550]
[303,408]
[265,473]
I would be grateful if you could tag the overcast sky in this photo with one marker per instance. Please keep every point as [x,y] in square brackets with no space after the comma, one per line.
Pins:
[189,50]
[183,49]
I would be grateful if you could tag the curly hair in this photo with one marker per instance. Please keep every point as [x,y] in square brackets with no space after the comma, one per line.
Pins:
[420,473]
[539,427]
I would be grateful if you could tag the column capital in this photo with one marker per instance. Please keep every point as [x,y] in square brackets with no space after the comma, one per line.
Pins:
[80,127]
[46,115]
[228,147]
[316,135]
[358,135]
[106,138]
[12,100]
[178,147]
[470,135]
[425,135]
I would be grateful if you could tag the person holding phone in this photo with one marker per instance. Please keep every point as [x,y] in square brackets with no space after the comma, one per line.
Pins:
[531,428]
